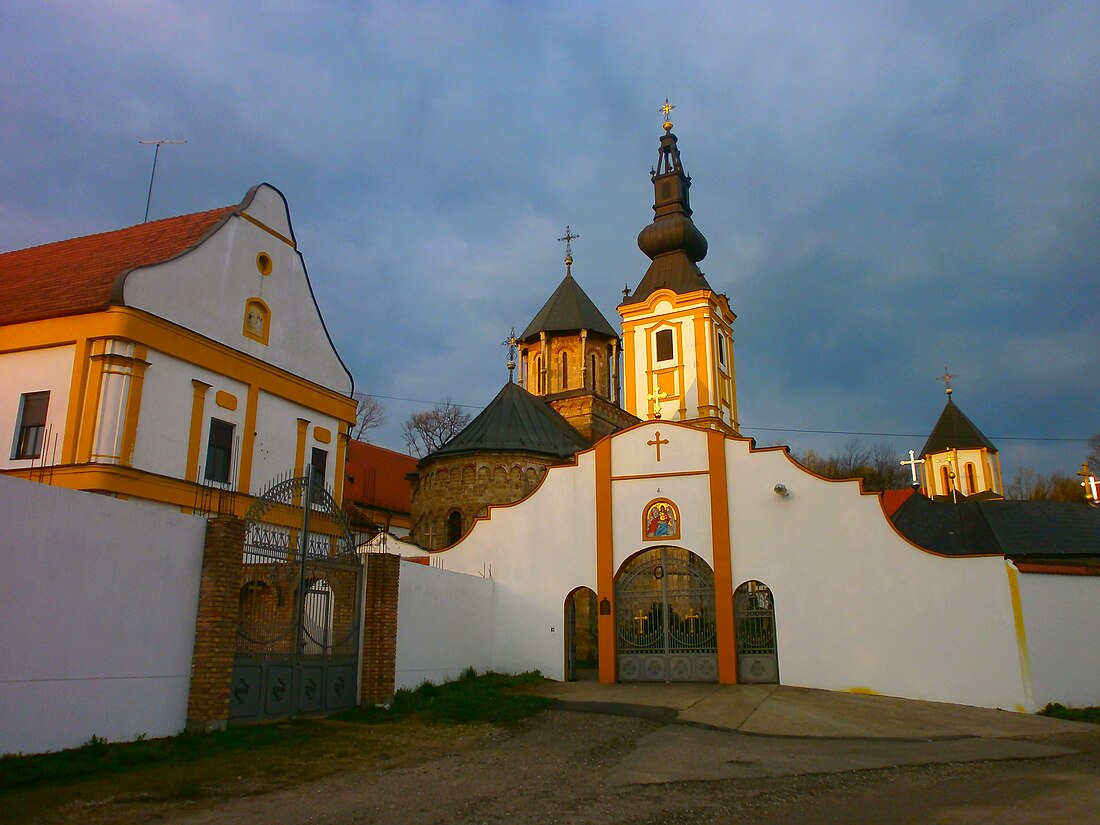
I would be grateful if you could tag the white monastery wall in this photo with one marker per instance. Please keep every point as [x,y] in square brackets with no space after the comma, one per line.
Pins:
[34,371]
[536,556]
[1062,620]
[444,624]
[226,265]
[164,425]
[99,621]
[858,607]
[277,438]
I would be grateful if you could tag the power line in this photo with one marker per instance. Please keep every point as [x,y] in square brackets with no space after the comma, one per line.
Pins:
[771,429]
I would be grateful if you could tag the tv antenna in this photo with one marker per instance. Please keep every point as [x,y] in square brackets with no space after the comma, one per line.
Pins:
[158,144]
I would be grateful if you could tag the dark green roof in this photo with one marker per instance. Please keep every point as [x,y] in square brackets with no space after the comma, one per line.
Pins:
[955,431]
[569,308]
[1016,529]
[515,421]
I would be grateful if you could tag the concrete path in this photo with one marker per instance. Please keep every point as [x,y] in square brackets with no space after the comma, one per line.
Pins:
[738,731]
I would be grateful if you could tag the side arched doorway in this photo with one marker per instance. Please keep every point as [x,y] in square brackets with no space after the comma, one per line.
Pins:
[757,651]
[582,648]
[665,619]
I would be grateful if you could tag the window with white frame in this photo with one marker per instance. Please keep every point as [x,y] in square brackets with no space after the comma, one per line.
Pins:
[30,431]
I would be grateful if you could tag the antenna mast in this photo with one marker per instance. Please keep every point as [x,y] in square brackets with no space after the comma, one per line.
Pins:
[158,144]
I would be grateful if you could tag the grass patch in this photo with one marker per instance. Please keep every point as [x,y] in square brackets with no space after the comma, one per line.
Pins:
[490,699]
[1058,711]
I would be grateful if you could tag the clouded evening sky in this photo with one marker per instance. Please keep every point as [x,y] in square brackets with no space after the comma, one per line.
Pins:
[887,188]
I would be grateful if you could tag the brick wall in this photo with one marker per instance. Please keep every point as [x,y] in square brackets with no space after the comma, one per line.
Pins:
[380,629]
[216,625]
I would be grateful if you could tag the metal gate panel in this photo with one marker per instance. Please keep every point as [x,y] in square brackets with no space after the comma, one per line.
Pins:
[754,617]
[665,619]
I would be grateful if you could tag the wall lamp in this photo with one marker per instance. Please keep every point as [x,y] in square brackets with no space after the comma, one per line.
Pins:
[781,490]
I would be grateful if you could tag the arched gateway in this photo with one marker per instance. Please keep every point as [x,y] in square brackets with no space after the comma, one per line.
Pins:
[665,623]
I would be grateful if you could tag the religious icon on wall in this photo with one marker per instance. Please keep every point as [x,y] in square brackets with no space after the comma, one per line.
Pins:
[661,520]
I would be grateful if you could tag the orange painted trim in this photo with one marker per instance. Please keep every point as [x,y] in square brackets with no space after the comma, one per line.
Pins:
[268,230]
[322,435]
[605,561]
[1057,569]
[248,439]
[77,384]
[194,436]
[723,565]
[300,448]
[133,403]
[90,412]
[341,459]
[225,400]
[674,474]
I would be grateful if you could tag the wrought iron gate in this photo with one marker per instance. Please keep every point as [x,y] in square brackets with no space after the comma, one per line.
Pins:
[665,618]
[301,606]
[754,615]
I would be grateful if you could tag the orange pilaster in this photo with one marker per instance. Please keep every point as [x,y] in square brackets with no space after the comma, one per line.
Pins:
[605,562]
[723,567]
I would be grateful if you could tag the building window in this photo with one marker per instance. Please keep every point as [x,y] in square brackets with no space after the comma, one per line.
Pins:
[592,385]
[565,370]
[454,527]
[318,467]
[721,349]
[971,479]
[663,341]
[540,376]
[30,432]
[219,451]
[945,477]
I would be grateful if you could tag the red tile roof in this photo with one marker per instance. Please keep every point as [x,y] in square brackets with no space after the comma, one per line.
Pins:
[893,499]
[375,477]
[79,275]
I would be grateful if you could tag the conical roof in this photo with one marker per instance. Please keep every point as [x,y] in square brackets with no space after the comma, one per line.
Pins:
[955,431]
[569,308]
[515,421]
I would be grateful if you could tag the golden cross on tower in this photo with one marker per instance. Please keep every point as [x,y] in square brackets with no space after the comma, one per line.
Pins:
[511,343]
[569,237]
[946,378]
[657,396]
[657,442]
[666,110]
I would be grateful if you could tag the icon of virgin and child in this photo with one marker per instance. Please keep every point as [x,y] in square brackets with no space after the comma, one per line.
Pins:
[662,521]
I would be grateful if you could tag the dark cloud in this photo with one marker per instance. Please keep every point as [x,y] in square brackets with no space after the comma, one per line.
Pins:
[886,188]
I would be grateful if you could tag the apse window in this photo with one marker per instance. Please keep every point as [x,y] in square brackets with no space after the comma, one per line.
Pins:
[663,344]
[257,320]
[31,429]
[219,451]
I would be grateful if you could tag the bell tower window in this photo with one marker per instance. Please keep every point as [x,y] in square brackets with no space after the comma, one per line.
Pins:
[663,344]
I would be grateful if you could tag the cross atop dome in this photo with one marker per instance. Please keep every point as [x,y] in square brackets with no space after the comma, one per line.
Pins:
[666,110]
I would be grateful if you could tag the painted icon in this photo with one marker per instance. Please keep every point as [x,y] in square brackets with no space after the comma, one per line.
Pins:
[661,520]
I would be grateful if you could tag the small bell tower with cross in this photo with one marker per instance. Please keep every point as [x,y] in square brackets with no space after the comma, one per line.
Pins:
[677,331]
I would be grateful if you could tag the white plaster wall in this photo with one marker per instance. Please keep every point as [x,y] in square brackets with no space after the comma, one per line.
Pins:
[1062,622]
[444,624]
[224,265]
[34,371]
[277,438]
[164,423]
[691,495]
[98,604]
[536,555]
[857,606]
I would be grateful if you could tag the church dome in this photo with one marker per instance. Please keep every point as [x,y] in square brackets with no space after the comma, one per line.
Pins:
[673,233]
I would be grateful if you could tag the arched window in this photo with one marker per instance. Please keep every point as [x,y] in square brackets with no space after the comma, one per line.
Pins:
[971,479]
[564,370]
[540,376]
[454,527]
[592,372]
[945,477]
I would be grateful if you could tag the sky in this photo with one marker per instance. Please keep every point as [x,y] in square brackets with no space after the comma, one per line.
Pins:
[888,189]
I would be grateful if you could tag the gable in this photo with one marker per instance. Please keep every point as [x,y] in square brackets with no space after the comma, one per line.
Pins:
[245,285]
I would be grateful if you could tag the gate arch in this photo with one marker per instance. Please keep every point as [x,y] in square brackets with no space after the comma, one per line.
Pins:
[665,624]
[754,618]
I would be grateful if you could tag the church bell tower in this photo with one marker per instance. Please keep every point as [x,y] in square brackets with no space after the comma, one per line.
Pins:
[677,331]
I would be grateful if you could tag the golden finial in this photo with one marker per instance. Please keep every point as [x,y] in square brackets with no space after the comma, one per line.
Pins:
[666,110]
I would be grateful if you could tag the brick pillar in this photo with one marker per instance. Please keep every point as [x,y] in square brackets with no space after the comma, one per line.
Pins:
[380,629]
[216,625]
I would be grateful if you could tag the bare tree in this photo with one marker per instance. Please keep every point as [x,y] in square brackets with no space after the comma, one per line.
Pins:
[877,465]
[370,415]
[429,430]
[1029,485]
[1093,456]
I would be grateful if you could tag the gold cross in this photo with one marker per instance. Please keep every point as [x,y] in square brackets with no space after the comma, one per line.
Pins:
[657,442]
[1089,483]
[691,617]
[946,378]
[666,110]
[641,619]
[657,396]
